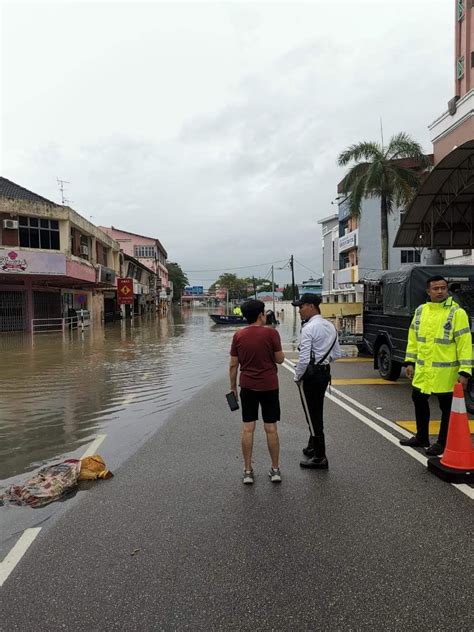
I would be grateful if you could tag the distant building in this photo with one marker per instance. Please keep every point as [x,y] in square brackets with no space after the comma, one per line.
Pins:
[150,252]
[53,262]
[312,286]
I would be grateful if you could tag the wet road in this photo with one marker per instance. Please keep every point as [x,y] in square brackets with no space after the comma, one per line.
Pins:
[176,542]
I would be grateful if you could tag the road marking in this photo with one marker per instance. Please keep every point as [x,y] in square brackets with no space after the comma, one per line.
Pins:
[17,552]
[92,449]
[462,487]
[434,426]
[365,380]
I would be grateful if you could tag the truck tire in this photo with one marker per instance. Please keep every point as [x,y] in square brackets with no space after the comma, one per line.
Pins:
[388,368]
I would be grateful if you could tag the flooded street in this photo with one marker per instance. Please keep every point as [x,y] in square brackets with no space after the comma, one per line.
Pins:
[58,393]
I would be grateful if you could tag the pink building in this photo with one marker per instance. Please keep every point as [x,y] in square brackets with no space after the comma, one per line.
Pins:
[456,126]
[148,251]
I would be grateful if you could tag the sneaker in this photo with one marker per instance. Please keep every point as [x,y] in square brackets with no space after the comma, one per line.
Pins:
[275,475]
[315,463]
[435,450]
[248,478]
[413,442]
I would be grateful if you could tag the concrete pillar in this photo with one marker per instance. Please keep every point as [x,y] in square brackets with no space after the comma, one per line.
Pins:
[30,309]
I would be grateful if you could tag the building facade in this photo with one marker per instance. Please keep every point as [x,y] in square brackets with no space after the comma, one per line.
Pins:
[150,252]
[53,262]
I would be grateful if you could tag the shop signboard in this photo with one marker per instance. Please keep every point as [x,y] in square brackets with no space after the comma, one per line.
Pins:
[125,291]
[194,290]
[16,261]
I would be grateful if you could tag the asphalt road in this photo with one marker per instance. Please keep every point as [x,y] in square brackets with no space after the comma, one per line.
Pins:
[176,542]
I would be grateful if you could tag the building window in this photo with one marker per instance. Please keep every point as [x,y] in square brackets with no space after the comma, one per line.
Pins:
[39,233]
[472,59]
[460,10]
[460,68]
[144,251]
[467,252]
[410,256]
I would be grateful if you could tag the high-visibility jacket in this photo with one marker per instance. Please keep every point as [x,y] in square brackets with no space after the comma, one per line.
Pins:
[237,311]
[439,345]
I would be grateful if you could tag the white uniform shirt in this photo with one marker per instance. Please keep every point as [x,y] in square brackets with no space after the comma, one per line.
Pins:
[317,334]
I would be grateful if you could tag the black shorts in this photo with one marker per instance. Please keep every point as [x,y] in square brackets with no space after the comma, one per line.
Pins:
[268,400]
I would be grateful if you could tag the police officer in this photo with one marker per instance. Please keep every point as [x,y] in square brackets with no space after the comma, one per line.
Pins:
[439,354]
[318,344]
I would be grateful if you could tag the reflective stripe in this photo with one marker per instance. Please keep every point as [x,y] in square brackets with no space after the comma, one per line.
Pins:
[458,405]
[466,362]
[448,324]
[443,341]
[445,365]
[411,355]
[420,338]
[422,362]
[466,330]
[417,319]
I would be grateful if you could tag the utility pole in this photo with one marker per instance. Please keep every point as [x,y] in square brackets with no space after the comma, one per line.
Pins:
[293,289]
[273,290]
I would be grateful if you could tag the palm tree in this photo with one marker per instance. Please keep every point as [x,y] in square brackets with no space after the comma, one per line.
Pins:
[379,172]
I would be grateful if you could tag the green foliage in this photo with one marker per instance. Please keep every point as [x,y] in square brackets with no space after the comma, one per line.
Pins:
[241,288]
[288,293]
[377,173]
[178,278]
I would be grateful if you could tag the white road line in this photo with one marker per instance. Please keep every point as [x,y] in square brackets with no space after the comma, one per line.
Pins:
[17,552]
[92,449]
[465,489]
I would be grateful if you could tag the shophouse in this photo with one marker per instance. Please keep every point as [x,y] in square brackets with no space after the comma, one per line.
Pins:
[144,284]
[53,262]
[150,252]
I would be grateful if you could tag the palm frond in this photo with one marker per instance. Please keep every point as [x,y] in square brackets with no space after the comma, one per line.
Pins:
[366,151]
[375,177]
[402,145]
[354,174]
[404,183]
[356,196]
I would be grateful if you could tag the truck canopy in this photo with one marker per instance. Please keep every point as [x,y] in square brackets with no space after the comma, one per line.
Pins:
[405,289]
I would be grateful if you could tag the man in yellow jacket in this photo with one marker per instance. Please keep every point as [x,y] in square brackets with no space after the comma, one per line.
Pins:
[439,354]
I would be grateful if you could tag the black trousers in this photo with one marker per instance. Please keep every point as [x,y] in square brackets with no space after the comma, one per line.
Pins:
[312,398]
[422,413]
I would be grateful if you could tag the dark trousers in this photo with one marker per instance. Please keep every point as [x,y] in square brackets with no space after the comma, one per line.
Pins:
[312,398]
[422,413]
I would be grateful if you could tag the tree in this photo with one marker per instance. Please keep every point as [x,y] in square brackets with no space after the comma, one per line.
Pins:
[178,278]
[237,287]
[288,292]
[378,172]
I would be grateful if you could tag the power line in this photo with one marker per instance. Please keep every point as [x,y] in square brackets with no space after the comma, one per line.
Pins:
[303,266]
[256,265]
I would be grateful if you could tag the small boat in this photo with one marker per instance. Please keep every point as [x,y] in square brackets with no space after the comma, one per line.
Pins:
[230,319]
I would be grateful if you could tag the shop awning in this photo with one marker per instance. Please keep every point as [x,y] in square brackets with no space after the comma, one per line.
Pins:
[442,214]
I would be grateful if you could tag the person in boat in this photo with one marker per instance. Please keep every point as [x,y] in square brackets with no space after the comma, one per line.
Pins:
[237,311]
[271,320]
[256,349]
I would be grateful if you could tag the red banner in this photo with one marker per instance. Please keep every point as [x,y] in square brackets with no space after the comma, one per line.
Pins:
[125,291]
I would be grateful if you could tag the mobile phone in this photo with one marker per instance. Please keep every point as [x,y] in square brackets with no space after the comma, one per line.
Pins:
[232,401]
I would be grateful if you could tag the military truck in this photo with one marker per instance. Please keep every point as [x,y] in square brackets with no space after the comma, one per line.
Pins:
[390,300]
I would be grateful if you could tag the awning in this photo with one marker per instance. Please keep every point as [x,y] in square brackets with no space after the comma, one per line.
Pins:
[442,214]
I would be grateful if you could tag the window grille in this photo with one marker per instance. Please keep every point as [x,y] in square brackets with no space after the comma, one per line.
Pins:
[144,251]
[460,10]
[460,68]
[410,256]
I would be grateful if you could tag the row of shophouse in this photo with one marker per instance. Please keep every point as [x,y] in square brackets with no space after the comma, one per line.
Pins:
[437,227]
[55,264]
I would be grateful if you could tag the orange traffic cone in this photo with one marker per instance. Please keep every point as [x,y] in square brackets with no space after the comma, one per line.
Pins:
[457,463]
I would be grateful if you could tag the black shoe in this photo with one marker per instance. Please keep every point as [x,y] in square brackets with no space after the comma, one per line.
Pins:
[316,463]
[435,450]
[413,442]
[308,451]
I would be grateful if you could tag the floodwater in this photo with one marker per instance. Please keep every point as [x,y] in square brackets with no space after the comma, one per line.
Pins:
[57,392]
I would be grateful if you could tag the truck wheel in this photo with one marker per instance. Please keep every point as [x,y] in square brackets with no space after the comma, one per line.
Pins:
[388,368]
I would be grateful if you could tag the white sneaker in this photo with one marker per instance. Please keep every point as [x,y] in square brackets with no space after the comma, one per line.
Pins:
[248,478]
[275,475]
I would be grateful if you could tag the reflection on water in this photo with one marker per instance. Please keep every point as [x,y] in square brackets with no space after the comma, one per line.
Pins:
[57,392]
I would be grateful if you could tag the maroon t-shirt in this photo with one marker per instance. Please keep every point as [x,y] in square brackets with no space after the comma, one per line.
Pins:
[256,347]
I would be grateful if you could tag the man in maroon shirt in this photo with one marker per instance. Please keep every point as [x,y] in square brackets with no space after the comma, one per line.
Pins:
[257,350]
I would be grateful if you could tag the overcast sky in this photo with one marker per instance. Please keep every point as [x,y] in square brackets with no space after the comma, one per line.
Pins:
[214,126]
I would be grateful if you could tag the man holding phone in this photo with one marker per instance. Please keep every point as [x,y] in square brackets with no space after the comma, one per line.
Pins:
[256,349]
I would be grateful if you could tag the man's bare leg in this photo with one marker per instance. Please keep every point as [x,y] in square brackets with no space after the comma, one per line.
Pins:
[273,444]
[246,437]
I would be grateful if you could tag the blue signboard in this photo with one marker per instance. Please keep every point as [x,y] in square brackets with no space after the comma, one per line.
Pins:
[194,290]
